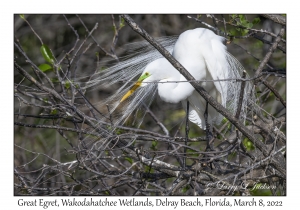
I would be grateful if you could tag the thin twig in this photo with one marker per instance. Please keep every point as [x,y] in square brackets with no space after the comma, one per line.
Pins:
[268,55]
[241,97]
[187,129]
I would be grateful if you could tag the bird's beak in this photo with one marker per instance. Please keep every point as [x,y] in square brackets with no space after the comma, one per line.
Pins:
[135,86]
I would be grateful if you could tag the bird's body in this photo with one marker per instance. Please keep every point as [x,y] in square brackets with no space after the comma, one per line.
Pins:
[204,55]
[174,88]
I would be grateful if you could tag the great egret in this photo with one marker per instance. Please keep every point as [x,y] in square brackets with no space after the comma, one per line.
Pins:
[201,52]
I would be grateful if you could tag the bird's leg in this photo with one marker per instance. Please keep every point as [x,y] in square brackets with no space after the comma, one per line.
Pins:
[187,129]
[209,136]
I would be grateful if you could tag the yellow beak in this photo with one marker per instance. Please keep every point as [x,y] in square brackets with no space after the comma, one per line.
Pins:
[135,86]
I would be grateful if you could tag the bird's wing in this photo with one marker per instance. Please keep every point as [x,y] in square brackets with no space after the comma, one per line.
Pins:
[217,65]
[222,65]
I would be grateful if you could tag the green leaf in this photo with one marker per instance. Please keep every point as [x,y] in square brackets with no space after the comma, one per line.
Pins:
[232,155]
[45,67]
[248,144]
[256,20]
[54,80]
[233,16]
[224,120]
[185,188]
[154,145]
[244,32]
[102,68]
[147,169]
[129,160]
[122,23]
[244,23]
[119,131]
[22,16]
[47,54]
[67,85]
[232,32]
[250,25]
[54,112]
[242,17]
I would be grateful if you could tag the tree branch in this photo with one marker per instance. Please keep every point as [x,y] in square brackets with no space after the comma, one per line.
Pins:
[276,18]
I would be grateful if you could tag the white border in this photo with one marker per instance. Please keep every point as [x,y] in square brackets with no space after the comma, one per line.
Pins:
[8,8]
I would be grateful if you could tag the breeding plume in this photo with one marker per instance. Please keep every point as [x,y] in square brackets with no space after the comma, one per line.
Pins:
[201,52]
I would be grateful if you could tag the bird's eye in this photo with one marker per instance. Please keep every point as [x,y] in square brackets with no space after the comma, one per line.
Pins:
[146,73]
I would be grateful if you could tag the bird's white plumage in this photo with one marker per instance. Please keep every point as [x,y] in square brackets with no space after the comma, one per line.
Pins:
[201,52]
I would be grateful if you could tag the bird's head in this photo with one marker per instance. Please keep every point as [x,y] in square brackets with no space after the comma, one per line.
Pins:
[138,84]
[155,71]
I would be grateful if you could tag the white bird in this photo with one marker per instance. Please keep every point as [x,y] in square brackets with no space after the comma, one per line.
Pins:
[202,53]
